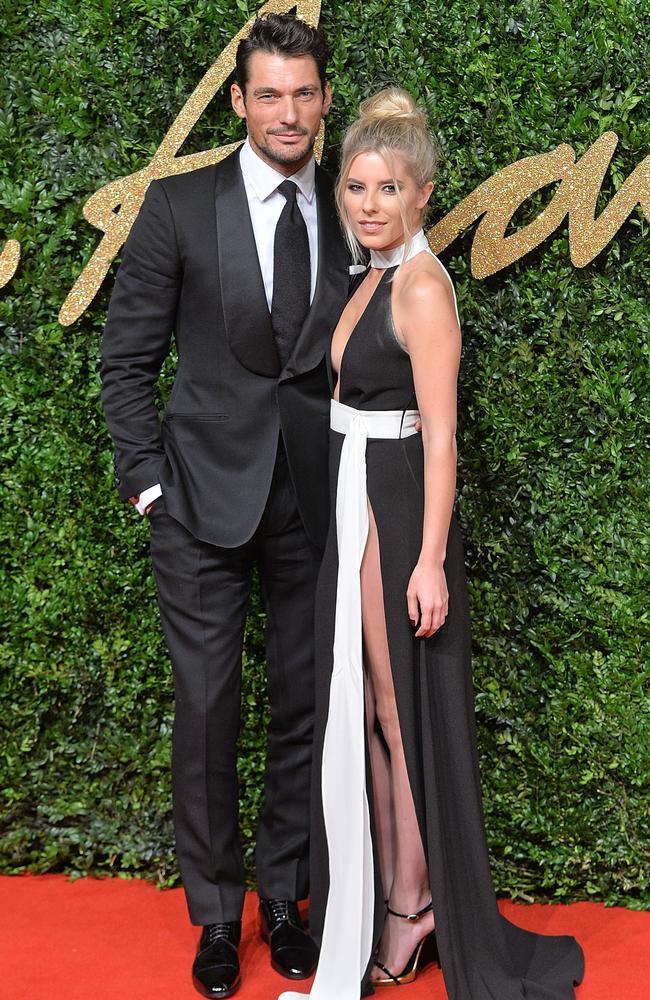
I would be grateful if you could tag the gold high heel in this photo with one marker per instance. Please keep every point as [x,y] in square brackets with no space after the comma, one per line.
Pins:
[410,970]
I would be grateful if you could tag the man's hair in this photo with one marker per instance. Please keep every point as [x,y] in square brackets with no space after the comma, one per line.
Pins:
[281,35]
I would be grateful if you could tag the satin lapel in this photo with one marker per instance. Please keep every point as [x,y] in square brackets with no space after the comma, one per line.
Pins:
[245,309]
[331,285]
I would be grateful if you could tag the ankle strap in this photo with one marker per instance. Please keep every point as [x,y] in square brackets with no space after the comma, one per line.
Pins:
[411,916]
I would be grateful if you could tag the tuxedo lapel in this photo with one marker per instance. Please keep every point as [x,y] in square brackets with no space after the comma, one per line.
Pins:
[331,285]
[245,309]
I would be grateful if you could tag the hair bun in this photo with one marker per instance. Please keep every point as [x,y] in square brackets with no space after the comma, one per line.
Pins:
[391,104]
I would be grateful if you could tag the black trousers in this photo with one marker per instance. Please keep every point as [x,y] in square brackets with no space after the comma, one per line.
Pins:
[203,593]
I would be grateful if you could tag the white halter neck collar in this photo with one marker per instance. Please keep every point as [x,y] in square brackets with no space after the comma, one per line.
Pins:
[391,258]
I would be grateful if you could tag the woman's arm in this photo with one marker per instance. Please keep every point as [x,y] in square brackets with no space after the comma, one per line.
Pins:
[426,318]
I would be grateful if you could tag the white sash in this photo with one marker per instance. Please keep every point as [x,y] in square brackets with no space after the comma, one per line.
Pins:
[348,929]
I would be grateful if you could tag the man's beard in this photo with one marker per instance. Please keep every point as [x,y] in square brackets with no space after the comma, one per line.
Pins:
[292,154]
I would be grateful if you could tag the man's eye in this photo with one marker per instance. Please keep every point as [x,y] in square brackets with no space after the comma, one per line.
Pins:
[306,93]
[265,97]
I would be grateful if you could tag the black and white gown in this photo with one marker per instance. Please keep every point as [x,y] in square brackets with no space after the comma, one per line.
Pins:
[377,455]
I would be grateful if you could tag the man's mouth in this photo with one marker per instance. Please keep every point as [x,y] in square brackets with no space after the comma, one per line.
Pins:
[288,136]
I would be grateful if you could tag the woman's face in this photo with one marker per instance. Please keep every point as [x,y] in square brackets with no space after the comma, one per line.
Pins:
[371,202]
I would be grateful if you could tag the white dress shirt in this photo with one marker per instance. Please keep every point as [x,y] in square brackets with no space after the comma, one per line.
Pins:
[265,204]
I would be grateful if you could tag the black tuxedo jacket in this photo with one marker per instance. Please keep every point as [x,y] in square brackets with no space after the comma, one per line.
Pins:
[190,268]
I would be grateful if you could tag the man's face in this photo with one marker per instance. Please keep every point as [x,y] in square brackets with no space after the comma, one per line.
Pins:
[283,104]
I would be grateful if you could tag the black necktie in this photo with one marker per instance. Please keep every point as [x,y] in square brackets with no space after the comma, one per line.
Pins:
[291,274]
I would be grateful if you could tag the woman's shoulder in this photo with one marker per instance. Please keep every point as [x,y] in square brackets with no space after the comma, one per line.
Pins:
[423,282]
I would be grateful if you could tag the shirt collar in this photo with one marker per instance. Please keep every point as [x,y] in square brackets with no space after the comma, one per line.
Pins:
[265,179]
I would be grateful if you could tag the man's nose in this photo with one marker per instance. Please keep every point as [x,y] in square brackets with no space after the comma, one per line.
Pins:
[288,115]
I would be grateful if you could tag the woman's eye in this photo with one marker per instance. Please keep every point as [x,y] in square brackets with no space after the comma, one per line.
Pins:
[390,188]
[354,187]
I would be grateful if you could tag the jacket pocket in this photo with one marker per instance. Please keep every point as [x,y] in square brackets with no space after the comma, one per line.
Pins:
[197,416]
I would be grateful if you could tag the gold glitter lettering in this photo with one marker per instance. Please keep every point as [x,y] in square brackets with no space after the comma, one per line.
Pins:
[9,260]
[114,207]
[588,235]
[498,198]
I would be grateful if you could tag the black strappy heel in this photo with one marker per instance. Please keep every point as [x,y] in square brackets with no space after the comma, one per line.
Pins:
[410,970]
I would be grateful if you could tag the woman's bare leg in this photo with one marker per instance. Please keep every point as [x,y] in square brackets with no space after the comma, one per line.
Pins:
[409,887]
[381,791]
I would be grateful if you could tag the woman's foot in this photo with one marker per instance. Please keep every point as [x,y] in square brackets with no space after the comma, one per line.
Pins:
[399,941]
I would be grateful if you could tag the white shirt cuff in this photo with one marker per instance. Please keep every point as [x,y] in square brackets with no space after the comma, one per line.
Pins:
[147,497]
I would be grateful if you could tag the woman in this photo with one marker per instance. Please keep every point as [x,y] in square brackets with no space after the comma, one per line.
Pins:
[399,848]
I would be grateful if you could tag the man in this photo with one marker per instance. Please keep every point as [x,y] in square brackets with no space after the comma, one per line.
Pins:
[249,271]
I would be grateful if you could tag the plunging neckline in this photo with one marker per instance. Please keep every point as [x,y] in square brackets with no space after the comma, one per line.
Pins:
[354,328]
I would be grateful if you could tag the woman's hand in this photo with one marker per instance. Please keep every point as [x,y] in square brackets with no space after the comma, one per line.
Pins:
[428,598]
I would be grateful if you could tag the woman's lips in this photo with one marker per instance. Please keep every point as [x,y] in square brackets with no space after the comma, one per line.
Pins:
[371,227]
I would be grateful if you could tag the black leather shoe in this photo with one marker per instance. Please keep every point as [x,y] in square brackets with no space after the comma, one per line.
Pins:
[293,953]
[215,972]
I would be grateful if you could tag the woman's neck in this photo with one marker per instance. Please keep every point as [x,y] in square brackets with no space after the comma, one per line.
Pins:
[395,255]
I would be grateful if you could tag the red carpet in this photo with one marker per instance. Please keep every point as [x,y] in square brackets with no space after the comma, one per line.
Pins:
[115,939]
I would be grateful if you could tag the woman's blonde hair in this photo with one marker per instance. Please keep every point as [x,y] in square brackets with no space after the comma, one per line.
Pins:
[389,123]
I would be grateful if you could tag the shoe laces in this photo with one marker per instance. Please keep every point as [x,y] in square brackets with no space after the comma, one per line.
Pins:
[216,931]
[284,909]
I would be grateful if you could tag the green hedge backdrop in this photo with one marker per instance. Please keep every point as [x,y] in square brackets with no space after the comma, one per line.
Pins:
[553,491]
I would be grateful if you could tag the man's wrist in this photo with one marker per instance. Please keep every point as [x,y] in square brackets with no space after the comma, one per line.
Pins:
[145,500]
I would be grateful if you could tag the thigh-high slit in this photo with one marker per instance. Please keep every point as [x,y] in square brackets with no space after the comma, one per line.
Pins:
[399,844]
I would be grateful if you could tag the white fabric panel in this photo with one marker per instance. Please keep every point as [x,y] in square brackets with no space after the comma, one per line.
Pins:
[348,928]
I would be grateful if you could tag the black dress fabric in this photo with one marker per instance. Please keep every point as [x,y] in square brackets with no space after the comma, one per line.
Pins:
[483,955]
